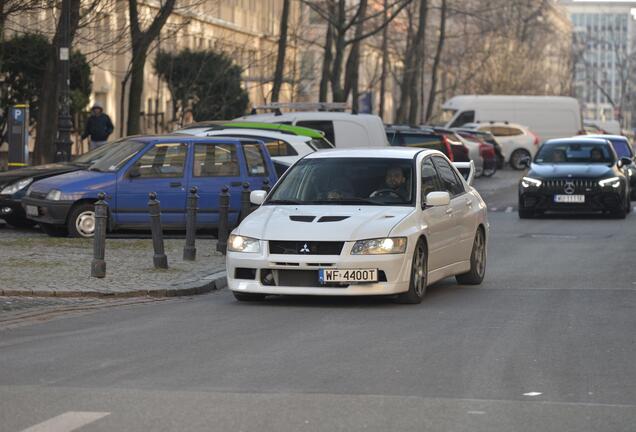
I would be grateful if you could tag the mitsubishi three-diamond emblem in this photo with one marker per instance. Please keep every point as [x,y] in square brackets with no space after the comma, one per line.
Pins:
[305,249]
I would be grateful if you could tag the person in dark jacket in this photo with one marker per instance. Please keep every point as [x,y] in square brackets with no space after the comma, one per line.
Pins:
[98,127]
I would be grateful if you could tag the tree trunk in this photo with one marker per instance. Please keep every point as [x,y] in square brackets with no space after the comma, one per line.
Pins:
[325,77]
[436,61]
[405,84]
[141,41]
[352,68]
[340,45]
[419,52]
[282,48]
[46,121]
[385,53]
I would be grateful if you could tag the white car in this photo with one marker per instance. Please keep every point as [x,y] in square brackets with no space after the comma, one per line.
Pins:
[361,222]
[344,130]
[284,149]
[517,142]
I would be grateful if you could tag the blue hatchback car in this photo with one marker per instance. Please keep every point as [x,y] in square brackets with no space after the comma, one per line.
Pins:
[168,165]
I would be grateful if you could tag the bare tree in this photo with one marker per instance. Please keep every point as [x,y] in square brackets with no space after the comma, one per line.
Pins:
[141,40]
[438,55]
[282,49]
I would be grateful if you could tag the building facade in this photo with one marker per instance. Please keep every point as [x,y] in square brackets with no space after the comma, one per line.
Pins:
[604,59]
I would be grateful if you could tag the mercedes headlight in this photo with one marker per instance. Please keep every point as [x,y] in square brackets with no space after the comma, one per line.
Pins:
[526,182]
[380,246]
[614,182]
[54,195]
[237,243]
[16,186]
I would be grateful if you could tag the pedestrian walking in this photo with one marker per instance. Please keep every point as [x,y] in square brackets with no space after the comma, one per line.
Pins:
[98,127]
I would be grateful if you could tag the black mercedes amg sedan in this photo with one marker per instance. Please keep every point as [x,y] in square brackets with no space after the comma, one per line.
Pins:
[575,175]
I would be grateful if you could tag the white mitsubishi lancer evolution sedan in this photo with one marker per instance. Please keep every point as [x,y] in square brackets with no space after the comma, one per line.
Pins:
[361,222]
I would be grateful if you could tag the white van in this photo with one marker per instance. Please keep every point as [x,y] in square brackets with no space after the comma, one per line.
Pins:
[547,116]
[344,130]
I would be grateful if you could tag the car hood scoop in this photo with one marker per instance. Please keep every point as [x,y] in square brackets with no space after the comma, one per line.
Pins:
[322,223]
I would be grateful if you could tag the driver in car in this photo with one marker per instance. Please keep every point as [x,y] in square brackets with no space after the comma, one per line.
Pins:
[596,155]
[395,184]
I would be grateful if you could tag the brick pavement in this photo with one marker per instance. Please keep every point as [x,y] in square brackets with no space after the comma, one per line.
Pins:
[32,263]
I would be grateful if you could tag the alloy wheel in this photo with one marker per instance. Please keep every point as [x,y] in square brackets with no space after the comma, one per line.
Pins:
[419,270]
[480,253]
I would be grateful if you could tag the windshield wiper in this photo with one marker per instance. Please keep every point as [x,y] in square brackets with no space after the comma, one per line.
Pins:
[95,169]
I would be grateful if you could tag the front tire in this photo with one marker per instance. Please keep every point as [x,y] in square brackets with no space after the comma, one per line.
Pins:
[81,221]
[248,297]
[419,276]
[477,262]
[517,156]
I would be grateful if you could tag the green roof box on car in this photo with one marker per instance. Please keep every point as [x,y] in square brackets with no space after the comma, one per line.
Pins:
[294,130]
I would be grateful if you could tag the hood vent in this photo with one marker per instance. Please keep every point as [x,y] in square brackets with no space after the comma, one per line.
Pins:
[332,218]
[302,218]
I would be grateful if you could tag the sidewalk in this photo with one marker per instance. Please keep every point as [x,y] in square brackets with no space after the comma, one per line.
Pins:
[34,264]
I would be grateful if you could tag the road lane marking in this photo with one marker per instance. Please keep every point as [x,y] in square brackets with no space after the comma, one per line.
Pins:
[67,422]
[532,394]
[508,209]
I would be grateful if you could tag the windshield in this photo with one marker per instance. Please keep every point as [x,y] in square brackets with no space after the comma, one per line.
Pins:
[115,159]
[348,181]
[567,153]
[94,155]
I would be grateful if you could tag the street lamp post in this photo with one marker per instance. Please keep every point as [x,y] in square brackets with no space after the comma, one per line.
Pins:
[64,121]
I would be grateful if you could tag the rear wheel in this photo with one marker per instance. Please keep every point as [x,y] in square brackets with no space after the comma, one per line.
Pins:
[419,276]
[517,156]
[477,262]
[81,221]
[248,297]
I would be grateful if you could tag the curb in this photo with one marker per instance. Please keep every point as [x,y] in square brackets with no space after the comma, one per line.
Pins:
[212,282]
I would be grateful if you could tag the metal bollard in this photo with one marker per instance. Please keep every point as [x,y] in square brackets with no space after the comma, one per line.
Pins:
[245,201]
[98,265]
[189,250]
[224,215]
[160,260]
[266,186]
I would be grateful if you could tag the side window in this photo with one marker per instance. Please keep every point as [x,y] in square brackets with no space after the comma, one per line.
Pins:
[163,160]
[255,160]
[514,131]
[322,125]
[280,148]
[392,138]
[463,118]
[215,160]
[450,181]
[430,181]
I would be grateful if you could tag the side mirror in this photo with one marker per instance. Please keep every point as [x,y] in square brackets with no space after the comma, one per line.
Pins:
[435,199]
[257,197]
[623,162]
[134,172]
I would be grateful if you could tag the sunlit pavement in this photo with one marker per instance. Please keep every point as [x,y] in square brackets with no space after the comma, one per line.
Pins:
[545,344]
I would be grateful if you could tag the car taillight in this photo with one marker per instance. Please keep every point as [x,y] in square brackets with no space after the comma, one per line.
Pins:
[449,151]
[536,138]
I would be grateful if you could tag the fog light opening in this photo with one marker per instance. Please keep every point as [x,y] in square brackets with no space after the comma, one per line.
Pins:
[6,210]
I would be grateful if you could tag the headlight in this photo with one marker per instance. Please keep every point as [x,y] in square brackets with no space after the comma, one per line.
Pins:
[54,195]
[237,243]
[614,182]
[529,181]
[15,187]
[380,246]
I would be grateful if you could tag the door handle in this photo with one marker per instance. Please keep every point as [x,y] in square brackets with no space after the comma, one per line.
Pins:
[236,183]
[175,184]
[469,203]
[449,211]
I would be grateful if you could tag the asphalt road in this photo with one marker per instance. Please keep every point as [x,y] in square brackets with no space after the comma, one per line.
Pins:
[546,343]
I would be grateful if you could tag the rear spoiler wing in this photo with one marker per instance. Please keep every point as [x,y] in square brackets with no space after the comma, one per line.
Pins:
[467,170]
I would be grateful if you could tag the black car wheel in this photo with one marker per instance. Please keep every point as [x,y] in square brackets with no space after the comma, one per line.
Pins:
[517,156]
[81,221]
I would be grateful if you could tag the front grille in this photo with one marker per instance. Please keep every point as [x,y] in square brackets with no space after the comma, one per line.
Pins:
[305,247]
[580,186]
[296,278]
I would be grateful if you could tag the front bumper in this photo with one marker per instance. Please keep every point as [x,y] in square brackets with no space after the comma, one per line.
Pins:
[598,201]
[298,274]
[49,212]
